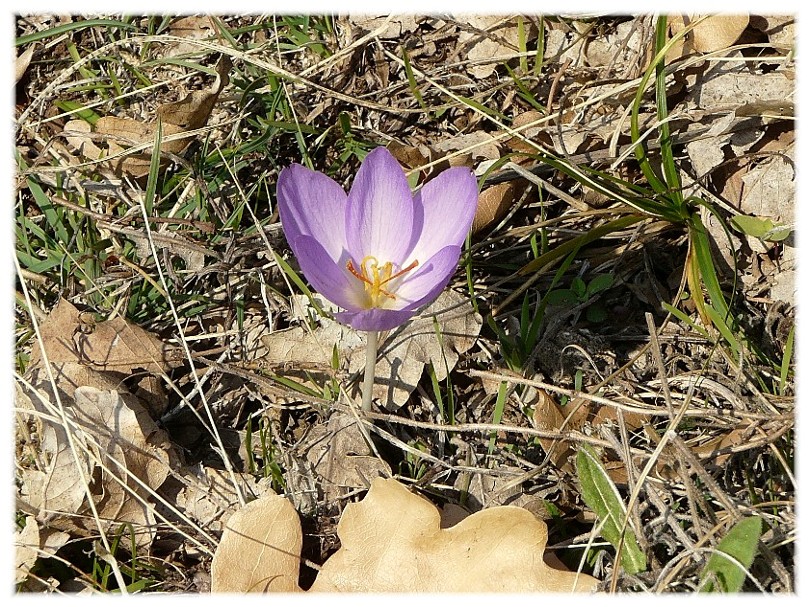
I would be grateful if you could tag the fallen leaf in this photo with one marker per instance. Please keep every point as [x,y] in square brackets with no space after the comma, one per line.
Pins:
[117,134]
[210,498]
[547,416]
[341,458]
[26,541]
[480,145]
[260,550]
[82,352]
[713,33]
[394,25]
[734,90]
[132,448]
[192,27]
[57,486]
[491,39]
[22,62]
[392,541]
[493,204]
[405,351]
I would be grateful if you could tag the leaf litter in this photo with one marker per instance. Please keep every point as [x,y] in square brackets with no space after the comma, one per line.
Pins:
[736,146]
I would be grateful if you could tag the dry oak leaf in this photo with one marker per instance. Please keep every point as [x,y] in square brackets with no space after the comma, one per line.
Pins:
[493,204]
[26,541]
[392,541]
[210,497]
[129,446]
[86,353]
[178,117]
[260,550]
[713,33]
[494,39]
[405,351]
[57,486]
[341,458]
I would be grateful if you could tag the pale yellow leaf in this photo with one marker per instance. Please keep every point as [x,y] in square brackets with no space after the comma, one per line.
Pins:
[260,550]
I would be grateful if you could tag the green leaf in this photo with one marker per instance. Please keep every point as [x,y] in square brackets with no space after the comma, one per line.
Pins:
[600,283]
[778,233]
[602,497]
[596,314]
[579,288]
[79,110]
[561,297]
[740,544]
[751,225]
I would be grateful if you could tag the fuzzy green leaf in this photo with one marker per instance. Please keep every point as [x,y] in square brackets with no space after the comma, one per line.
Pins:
[751,225]
[602,497]
[741,544]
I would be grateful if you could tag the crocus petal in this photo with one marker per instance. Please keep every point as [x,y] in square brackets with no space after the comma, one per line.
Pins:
[329,279]
[445,208]
[374,319]
[312,204]
[429,280]
[379,212]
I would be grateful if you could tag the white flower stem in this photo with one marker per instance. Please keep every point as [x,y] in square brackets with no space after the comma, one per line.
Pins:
[370,365]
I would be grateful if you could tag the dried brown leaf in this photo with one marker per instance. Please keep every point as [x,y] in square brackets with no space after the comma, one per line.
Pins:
[713,33]
[22,62]
[341,458]
[489,38]
[130,447]
[83,352]
[548,416]
[493,204]
[392,541]
[210,498]
[260,550]
[193,27]
[405,350]
[396,26]
[26,541]
[57,487]
[118,133]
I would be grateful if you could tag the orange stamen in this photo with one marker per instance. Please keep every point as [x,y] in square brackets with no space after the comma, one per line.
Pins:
[375,276]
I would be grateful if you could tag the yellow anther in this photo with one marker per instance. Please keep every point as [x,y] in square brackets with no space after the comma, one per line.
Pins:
[375,276]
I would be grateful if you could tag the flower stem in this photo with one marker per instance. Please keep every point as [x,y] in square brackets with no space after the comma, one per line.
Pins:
[370,365]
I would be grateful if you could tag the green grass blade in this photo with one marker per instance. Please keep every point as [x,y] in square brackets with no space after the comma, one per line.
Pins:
[575,243]
[411,80]
[439,400]
[497,416]
[602,497]
[725,331]
[741,544]
[670,171]
[640,150]
[154,169]
[682,317]
[705,265]
[70,27]
[787,360]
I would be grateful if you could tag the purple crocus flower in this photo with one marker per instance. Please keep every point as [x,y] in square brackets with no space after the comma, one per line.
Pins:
[379,253]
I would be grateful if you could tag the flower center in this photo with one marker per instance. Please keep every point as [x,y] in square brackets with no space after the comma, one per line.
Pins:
[376,276]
